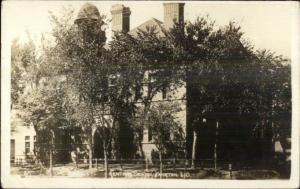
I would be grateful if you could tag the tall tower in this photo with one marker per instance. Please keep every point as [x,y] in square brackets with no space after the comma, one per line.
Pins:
[88,11]
[173,12]
[120,18]
[89,22]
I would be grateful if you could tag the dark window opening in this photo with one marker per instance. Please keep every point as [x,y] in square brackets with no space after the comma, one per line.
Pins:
[164,92]
[149,134]
[12,150]
[27,148]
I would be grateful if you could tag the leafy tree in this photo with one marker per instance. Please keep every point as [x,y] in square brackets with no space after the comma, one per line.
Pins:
[23,62]
[18,76]
[207,54]
[16,72]
[44,110]
[165,128]
[79,56]
[274,100]
[229,83]
[112,90]
[146,62]
[37,97]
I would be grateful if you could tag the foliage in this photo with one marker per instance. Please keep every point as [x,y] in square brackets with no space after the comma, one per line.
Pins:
[227,81]
[146,66]
[44,110]
[167,132]
[77,82]
[23,61]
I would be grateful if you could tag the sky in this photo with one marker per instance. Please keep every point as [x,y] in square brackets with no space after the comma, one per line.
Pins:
[268,25]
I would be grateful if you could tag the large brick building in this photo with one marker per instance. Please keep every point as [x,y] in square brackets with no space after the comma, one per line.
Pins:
[173,12]
[22,140]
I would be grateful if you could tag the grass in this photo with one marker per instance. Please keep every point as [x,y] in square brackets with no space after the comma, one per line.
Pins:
[138,171]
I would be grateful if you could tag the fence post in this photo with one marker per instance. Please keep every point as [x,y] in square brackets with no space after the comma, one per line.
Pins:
[185,164]
[121,164]
[174,165]
[230,170]
[146,164]
[96,163]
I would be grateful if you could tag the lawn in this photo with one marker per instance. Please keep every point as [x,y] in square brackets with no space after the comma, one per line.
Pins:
[138,171]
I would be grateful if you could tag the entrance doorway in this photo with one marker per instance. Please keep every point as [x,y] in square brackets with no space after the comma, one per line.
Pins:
[98,146]
[12,150]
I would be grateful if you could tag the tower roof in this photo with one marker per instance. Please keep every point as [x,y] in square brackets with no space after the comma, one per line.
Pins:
[88,11]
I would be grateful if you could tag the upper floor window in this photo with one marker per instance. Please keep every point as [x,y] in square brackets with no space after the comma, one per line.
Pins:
[113,80]
[149,134]
[27,148]
[27,145]
[164,92]
[34,142]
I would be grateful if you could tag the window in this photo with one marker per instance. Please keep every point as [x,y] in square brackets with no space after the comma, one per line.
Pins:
[164,92]
[138,92]
[149,134]
[149,89]
[34,143]
[27,148]
[142,137]
[167,135]
[113,79]
[27,145]
[12,150]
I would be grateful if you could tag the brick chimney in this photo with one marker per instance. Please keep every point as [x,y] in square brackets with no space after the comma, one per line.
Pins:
[120,18]
[173,12]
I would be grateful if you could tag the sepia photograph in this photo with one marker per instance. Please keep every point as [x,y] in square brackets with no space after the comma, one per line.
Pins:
[130,91]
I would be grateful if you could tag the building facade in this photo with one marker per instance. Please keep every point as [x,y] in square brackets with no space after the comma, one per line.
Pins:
[22,141]
[173,12]
[23,137]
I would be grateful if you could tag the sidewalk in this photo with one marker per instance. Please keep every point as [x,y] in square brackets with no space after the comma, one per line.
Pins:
[137,171]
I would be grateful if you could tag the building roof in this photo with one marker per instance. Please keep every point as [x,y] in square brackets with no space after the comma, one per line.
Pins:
[153,22]
[88,11]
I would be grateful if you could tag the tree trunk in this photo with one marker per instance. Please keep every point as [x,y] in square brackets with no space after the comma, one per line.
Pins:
[262,128]
[147,164]
[105,163]
[91,141]
[263,141]
[141,148]
[160,165]
[51,153]
[194,149]
[90,158]
[51,168]
[215,149]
